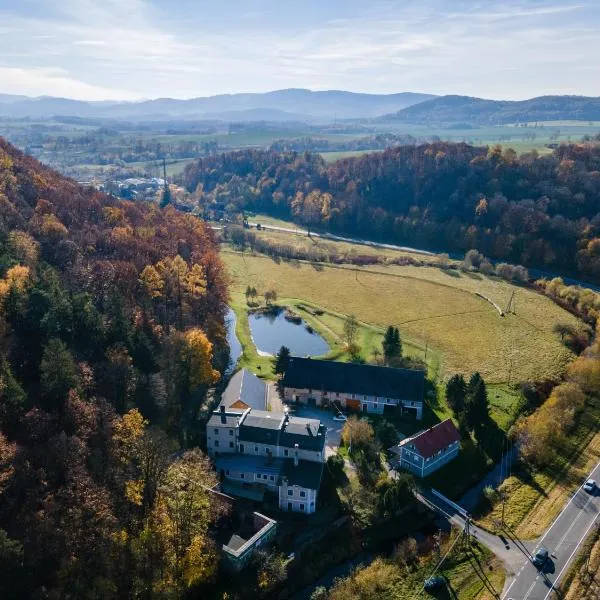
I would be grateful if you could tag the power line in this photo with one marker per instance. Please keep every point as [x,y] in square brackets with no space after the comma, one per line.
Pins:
[437,567]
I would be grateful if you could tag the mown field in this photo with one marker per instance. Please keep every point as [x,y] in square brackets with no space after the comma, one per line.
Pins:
[434,308]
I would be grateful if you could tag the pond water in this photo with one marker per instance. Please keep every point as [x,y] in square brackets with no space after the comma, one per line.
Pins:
[235,348]
[272,330]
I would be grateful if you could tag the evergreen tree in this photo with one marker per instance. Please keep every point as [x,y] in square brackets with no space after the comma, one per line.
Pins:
[166,197]
[392,344]
[12,400]
[282,360]
[476,405]
[456,391]
[58,373]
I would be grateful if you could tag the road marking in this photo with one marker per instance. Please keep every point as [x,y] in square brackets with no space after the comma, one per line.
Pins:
[579,515]
[571,557]
[550,528]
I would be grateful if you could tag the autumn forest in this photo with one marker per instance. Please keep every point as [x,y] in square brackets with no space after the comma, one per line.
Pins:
[112,329]
[538,211]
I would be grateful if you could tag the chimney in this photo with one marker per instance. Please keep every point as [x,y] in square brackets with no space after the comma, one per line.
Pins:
[295,455]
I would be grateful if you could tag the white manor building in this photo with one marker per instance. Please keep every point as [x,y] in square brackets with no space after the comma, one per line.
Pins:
[257,451]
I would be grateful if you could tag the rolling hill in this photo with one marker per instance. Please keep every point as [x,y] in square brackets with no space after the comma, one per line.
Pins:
[466,110]
[299,103]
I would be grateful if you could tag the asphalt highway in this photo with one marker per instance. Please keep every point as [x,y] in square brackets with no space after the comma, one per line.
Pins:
[562,539]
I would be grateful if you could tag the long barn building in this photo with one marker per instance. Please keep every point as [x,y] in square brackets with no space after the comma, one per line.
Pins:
[353,387]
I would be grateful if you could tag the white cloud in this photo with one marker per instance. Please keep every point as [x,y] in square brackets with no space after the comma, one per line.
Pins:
[133,48]
[53,82]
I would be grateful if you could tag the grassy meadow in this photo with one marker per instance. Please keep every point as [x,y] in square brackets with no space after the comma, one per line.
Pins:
[433,308]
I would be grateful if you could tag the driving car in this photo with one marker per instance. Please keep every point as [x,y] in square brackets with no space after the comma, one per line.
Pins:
[541,557]
[590,486]
[435,582]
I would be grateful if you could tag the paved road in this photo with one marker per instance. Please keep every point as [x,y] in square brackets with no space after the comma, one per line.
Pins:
[511,552]
[562,539]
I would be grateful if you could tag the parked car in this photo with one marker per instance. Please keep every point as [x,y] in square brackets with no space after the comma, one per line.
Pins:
[541,557]
[340,417]
[433,583]
[590,486]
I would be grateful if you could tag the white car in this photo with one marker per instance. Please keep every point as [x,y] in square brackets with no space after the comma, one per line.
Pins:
[340,417]
[589,486]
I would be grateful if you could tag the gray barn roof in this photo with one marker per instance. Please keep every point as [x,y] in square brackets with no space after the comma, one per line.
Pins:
[246,387]
[352,378]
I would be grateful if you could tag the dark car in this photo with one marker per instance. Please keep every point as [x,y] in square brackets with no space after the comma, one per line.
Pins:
[541,557]
[432,583]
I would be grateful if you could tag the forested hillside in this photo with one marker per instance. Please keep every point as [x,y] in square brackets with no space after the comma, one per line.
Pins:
[452,110]
[539,211]
[111,322]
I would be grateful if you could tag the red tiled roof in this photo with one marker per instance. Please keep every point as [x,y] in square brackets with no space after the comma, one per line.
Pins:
[437,438]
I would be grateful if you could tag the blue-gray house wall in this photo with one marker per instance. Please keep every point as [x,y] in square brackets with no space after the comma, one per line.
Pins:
[412,461]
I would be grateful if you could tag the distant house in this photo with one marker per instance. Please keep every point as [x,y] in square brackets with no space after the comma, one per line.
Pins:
[257,451]
[427,451]
[355,387]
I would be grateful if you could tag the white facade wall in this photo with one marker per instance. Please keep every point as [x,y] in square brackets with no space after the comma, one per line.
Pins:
[373,404]
[266,479]
[256,449]
[297,499]
[225,438]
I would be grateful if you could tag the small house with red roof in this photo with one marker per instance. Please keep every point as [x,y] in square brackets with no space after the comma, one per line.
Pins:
[428,450]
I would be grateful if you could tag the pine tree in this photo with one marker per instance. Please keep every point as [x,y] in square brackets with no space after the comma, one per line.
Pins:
[476,405]
[166,197]
[456,391]
[392,344]
[282,360]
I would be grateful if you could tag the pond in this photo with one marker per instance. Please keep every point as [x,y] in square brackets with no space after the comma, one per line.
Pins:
[235,348]
[272,330]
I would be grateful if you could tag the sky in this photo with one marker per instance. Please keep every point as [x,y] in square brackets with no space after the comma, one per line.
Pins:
[134,49]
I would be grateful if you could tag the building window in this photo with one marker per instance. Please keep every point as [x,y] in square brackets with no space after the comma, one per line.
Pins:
[231,432]
[302,507]
[290,492]
[256,449]
[337,394]
[216,432]
[272,478]
[310,391]
[302,494]
[375,405]
[231,444]
[285,452]
[241,476]
[216,443]
[241,448]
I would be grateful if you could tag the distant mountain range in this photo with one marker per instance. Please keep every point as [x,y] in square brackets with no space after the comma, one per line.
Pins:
[280,105]
[459,110]
[299,105]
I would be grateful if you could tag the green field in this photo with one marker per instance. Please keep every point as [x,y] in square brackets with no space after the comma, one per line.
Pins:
[433,308]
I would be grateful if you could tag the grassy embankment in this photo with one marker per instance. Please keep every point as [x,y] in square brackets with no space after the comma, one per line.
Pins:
[534,498]
[582,580]
[470,575]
